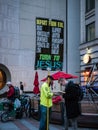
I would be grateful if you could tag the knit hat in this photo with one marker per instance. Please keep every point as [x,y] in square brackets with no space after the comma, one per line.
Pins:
[8,83]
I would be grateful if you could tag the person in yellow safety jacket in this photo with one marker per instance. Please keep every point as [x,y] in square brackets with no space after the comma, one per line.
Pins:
[45,103]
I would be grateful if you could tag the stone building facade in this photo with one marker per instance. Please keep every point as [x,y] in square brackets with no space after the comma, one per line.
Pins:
[18,37]
[89,41]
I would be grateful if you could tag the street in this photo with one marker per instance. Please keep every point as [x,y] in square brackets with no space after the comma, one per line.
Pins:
[30,124]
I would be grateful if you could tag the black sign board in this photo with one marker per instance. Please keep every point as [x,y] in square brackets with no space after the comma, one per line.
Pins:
[49,44]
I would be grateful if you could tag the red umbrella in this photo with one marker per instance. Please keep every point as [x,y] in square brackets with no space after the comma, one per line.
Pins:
[61,74]
[36,84]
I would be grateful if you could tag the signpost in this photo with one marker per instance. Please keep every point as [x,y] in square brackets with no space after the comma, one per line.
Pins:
[49,44]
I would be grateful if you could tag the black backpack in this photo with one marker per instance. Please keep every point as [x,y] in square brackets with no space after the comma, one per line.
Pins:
[16,92]
[80,92]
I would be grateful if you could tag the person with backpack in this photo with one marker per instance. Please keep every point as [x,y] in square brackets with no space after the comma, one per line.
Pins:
[10,95]
[13,91]
[72,106]
[10,92]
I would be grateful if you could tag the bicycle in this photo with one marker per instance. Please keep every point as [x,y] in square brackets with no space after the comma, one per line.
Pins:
[25,105]
[9,112]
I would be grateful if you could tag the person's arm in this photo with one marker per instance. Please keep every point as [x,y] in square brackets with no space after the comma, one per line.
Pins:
[10,92]
[47,92]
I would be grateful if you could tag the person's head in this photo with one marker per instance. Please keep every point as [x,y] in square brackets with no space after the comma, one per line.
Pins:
[20,82]
[62,81]
[9,83]
[50,80]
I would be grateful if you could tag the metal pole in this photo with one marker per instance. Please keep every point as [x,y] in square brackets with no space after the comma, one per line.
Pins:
[48,104]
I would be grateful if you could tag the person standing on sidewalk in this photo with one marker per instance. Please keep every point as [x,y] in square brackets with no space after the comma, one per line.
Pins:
[45,103]
[21,87]
[72,107]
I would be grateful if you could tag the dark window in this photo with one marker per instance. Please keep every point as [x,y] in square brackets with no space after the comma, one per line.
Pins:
[90,4]
[90,32]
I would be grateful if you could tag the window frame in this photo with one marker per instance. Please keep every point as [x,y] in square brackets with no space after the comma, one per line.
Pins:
[90,4]
[90,34]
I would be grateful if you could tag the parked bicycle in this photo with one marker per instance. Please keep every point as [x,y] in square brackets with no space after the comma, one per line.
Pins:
[25,105]
[9,112]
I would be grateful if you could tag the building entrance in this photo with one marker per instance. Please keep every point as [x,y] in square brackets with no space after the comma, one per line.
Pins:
[2,79]
[4,75]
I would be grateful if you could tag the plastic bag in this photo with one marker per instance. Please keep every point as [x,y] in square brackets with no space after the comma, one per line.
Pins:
[17,103]
[56,99]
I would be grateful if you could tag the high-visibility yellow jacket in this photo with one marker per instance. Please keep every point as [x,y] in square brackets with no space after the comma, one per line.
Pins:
[45,95]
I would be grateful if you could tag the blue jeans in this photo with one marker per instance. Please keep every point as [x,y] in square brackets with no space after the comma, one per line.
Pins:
[43,117]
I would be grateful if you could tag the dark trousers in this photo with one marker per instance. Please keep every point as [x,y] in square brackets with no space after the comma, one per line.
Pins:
[73,121]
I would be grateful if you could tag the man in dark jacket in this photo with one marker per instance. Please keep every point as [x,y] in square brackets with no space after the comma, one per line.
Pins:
[72,107]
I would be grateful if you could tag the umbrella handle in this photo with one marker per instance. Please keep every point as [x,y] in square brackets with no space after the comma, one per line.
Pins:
[48,103]
[47,118]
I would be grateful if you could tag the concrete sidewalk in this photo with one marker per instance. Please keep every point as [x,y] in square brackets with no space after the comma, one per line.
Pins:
[30,124]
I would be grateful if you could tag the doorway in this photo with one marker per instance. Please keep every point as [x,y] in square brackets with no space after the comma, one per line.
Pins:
[4,75]
[2,79]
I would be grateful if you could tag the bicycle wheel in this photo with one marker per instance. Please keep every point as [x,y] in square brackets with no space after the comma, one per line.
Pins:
[27,111]
[19,113]
[4,117]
